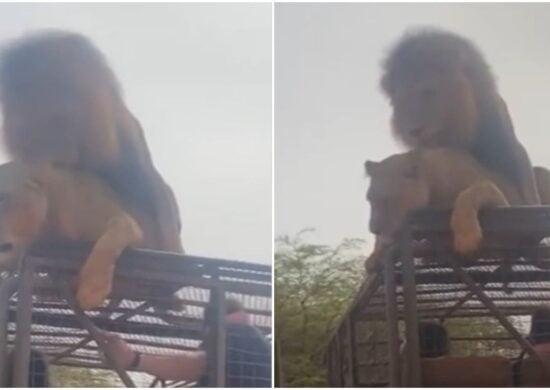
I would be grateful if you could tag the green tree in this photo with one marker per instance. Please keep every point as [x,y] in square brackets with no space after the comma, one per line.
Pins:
[314,285]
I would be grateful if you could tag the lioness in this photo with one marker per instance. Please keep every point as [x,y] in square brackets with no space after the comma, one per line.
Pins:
[53,202]
[438,178]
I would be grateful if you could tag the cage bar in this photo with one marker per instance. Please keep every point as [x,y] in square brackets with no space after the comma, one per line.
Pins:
[157,306]
[482,305]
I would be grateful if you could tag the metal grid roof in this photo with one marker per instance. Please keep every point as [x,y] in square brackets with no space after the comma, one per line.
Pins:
[516,278]
[144,323]
[512,269]
[514,286]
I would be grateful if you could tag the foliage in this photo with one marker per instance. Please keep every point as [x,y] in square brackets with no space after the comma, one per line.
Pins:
[314,284]
[313,287]
[64,376]
[483,328]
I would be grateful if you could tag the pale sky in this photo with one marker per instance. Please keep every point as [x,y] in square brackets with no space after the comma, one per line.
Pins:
[198,77]
[330,115]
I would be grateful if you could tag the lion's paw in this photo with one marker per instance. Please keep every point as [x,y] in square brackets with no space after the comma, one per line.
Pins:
[467,234]
[94,286]
[467,241]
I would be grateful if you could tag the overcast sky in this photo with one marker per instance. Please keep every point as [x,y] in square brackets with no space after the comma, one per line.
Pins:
[331,116]
[198,77]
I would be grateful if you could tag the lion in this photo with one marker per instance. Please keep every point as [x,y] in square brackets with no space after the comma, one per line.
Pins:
[441,178]
[62,104]
[443,94]
[55,203]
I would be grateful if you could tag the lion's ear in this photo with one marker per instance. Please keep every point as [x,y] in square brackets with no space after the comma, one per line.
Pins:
[370,167]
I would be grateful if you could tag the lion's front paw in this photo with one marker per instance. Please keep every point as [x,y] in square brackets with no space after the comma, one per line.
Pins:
[466,243]
[94,285]
[467,234]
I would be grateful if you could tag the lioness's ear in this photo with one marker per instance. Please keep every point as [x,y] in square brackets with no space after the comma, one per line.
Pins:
[370,167]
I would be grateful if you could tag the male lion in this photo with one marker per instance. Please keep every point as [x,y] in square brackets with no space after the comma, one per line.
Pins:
[61,103]
[52,202]
[438,178]
[443,94]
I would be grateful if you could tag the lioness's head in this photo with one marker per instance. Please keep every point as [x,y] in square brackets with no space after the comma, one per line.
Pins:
[22,208]
[396,187]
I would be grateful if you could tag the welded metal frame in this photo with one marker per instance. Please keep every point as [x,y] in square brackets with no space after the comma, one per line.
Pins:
[8,287]
[60,262]
[402,308]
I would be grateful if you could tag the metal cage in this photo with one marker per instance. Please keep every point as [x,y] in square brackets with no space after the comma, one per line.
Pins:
[377,342]
[39,310]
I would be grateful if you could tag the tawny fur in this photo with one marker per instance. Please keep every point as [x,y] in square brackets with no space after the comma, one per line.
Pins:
[437,178]
[59,203]
[443,94]
[61,103]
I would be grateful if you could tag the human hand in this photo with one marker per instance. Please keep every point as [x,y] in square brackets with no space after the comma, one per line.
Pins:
[119,350]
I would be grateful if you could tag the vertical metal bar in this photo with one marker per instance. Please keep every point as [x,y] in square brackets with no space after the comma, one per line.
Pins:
[342,347]
[338,348]
[414,377]
[337,364]
[346,362]
[279,369]
[221,345]
[217,338]
[331,365]
[392,322]
[350,332]
[7,289]
[22,349]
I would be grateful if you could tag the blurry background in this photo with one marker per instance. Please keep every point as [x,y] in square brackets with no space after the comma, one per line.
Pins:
[330,115]
[198,77]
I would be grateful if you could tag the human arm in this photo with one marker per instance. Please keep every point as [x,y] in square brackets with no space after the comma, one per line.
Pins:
[188,365]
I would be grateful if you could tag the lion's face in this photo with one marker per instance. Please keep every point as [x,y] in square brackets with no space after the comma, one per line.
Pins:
[396,188]
[433,109]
